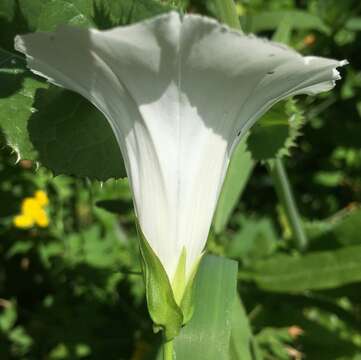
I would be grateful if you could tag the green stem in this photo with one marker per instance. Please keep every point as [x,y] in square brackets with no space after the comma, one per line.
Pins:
[168,350]
[227,13]
[285,195]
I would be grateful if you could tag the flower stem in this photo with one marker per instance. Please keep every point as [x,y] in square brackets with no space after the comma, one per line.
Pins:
[168,350]
[285,195]
[226,11]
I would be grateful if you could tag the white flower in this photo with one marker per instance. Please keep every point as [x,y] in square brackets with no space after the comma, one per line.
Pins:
[179,92]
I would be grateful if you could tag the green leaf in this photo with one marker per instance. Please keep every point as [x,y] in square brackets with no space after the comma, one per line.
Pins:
[162,306]
[239,171]
[109,13]
[23,16]
[275,133]
[72,12]
[255,239]
[347,230]
[8,317]
[299,19]
[314,271]
[243,344]
[207,336]
[276,341]
[58,128]
[17,92]
[72,137]
[227,13]
[283,32]
[354,24]
[341,229]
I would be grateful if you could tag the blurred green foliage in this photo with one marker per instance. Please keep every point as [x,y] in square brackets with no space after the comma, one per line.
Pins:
[73,290]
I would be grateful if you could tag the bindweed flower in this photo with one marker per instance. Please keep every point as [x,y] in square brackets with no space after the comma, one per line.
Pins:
[33,212]
[179,93]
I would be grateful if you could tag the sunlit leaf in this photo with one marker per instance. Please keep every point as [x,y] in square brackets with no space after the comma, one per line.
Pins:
[207,336]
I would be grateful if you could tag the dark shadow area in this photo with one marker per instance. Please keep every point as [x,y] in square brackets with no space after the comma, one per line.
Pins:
[114,206]
[72,137]
[68,307]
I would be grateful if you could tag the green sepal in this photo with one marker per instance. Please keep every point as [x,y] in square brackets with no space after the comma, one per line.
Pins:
[179,281]
[183,288]
[163,309]
[187,303]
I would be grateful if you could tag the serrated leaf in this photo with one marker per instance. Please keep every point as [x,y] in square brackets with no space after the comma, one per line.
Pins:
[17,92]
[56,127]
[314,271]
[275,133]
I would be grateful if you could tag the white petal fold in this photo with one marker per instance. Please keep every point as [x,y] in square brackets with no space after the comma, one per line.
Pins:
[179,92]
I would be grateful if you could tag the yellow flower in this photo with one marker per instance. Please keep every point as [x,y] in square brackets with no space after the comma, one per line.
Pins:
[32,211]
[30,206]
[41,218]
[41,197]
[23,221]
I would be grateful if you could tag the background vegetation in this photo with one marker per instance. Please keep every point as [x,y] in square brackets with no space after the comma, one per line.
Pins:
[70,286]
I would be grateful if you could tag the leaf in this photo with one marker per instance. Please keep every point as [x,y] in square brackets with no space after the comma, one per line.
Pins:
[72,137]
[347,230]
[162,306]
[23,16]
[17,92]
[342,229]
[314,271]
[243,345]
[207,336]
[256,239]
[8,317]
[354,24]
[226,12]
[109,13]
[299,19]
[239,171]
[276,341]
[275,133]
[56,12]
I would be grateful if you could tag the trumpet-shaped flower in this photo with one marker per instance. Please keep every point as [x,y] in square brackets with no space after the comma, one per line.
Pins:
[179,93]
